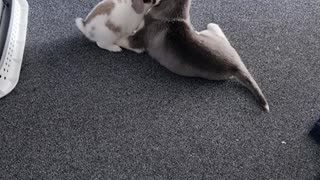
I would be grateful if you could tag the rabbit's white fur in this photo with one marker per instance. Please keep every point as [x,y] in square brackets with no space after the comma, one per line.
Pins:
[112,20]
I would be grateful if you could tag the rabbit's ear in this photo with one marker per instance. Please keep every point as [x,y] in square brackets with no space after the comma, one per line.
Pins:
[138,6]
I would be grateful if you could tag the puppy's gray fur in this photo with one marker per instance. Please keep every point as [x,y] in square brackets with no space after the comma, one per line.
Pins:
[168,37]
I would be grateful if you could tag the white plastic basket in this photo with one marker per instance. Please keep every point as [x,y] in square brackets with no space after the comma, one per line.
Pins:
[11,58]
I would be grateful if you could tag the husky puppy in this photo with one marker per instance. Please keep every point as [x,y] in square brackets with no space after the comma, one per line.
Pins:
[169,37]
[111,20]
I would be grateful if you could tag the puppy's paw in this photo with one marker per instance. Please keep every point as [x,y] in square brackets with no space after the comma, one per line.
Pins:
[114,48]
[139,51]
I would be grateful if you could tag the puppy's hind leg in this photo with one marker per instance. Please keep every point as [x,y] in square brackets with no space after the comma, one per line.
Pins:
[247,80]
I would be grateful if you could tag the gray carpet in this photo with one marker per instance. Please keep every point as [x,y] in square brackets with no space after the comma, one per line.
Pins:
[80,112]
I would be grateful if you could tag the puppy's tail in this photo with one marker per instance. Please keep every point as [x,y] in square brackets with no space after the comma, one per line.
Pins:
[247,80]
[80,25]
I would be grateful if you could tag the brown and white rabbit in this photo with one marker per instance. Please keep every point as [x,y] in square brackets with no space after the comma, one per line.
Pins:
[111,20]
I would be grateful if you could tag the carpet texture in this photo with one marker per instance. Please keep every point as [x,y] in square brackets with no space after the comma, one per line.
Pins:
[80,112]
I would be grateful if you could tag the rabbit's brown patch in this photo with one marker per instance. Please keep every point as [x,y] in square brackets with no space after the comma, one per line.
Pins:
[113,27]
[103,8]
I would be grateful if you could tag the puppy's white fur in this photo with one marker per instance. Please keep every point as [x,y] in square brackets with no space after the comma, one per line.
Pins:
[117,22]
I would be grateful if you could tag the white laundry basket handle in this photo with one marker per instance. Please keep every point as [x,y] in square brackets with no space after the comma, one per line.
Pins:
[12,53]
[1,8]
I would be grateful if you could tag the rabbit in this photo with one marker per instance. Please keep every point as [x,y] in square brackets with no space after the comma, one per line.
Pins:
[111,20]
[168,36]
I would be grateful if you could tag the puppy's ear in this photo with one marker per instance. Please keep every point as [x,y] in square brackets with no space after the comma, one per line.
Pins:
[138,6]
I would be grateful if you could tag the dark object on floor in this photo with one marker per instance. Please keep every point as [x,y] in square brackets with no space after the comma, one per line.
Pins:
[315,132]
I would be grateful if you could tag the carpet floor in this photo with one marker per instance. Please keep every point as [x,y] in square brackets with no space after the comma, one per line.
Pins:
[80,112]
